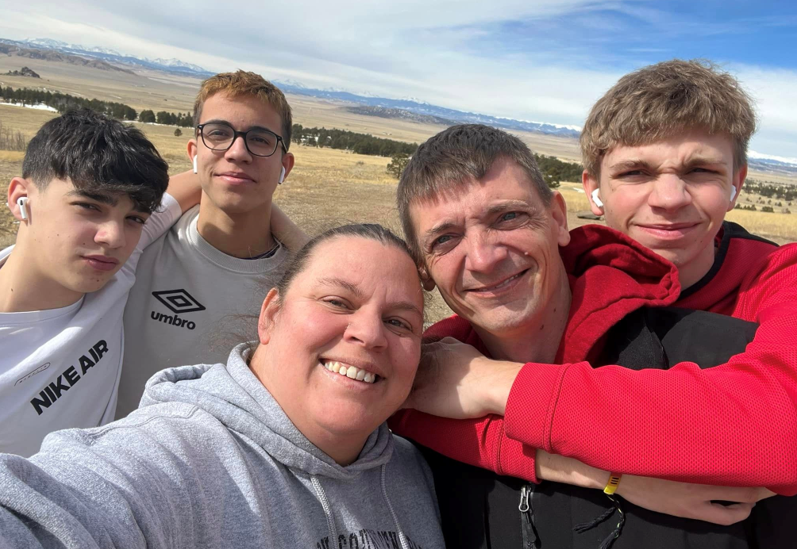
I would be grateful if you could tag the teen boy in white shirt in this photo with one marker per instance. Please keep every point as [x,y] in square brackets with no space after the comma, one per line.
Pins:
[199,280]
[85,203]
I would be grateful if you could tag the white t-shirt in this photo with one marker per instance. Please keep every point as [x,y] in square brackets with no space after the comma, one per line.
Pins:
[191,304]
[59,368]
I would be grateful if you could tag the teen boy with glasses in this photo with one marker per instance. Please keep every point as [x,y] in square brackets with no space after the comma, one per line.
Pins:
[197,279]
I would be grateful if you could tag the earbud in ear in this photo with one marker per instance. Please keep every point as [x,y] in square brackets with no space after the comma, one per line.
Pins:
[22,202]
[733,192]
[282,175]
[195,168]
[596,199]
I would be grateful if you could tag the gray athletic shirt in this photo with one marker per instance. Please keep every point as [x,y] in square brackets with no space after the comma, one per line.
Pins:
[189,305]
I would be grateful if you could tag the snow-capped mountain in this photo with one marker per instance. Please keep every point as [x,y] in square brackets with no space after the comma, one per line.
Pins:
[176,63]
[770,163]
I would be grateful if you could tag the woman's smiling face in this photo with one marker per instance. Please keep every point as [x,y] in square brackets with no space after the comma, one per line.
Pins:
[356,307]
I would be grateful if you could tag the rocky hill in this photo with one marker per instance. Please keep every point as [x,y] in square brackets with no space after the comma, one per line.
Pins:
[25,71]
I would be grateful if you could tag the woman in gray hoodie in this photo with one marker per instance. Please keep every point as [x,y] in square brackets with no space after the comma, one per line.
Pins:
[284,446]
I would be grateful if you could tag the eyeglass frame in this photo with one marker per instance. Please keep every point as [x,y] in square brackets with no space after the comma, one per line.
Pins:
[236,134]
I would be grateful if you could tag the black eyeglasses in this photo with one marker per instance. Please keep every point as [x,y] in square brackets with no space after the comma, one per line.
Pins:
[219,136]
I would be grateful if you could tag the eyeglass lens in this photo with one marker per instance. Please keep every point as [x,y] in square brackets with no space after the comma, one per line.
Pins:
[219,137]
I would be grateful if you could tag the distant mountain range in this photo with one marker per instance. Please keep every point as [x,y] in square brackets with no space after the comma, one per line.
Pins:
[177,67]
[384,107]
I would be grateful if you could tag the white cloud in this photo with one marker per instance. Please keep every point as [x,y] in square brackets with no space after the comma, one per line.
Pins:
[447,52]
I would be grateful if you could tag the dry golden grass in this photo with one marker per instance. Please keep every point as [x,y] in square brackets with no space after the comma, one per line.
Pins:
[327,187]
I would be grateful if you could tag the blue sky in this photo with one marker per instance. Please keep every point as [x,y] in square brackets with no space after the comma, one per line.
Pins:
[542,60]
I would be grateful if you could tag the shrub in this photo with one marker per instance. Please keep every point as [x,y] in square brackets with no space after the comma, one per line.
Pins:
[397,164]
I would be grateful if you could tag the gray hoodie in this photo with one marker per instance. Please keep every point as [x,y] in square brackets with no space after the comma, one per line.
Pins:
[211,460]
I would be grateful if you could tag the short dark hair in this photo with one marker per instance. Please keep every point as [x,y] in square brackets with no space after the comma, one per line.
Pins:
[97,154]
[455,157]
[368,231]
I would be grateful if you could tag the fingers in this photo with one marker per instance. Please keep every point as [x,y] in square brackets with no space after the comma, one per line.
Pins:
[736,494]
[724,515]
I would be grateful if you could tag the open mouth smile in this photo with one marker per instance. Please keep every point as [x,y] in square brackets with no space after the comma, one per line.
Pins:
[501,286]
[351,372]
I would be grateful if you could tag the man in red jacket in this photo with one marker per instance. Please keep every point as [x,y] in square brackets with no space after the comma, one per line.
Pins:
[688,127]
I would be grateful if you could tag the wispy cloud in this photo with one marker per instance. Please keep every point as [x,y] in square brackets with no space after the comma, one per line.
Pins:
[546,60]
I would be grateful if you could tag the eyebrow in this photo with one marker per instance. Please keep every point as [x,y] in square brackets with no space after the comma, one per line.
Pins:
[399,305]
[406,306]
[691,161]
[102,198]
[491,211]
[219,121]
[335,281]
[629,164]
[107,198]
[698,159]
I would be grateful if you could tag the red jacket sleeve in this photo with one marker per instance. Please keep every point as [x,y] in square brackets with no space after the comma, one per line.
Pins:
[735,424]
[479,442]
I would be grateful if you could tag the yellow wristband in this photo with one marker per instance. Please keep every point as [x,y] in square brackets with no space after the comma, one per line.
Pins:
[614,482]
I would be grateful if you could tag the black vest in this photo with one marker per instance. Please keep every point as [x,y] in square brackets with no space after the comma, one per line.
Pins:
[480,509]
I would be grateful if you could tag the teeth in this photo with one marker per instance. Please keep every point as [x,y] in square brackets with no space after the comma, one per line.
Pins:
[350,372]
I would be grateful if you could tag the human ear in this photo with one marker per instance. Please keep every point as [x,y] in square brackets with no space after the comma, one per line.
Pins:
[18,188]
[268,312]
[192,149]
[559,217]
[737,182]
[287,163]
[426,280]
[591,184]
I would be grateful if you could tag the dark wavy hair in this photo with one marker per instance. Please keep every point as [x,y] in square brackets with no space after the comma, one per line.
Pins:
[98,155]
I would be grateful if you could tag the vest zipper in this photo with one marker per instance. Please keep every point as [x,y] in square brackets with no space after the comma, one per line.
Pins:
[530,539]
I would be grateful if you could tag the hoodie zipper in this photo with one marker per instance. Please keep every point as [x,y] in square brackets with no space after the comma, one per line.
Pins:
[530,539]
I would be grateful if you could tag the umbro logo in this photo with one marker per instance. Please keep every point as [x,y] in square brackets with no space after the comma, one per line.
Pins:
[178,301]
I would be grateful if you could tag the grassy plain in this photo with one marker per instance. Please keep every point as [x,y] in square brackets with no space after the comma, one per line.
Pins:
[327,187]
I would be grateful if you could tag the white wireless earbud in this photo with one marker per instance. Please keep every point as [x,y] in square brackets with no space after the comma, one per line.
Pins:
[596,199]
[22,202]
[282,175]
[195,168]
[733,192]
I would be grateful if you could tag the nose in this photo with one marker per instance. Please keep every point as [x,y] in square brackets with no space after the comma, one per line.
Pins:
[669,193]
[238,150]
[366,329]
[111,234]
[485,252]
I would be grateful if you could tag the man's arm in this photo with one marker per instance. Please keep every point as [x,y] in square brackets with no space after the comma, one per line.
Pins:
[286,231]
[733,424]
[185,188]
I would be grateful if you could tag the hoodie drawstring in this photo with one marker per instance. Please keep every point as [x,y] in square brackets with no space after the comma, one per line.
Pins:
[322,497]
[607,543]
[402,537]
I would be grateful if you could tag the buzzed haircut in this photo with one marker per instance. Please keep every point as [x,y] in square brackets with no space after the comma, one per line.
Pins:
[98,155]
[244,83]
[456,157]
[663,100]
